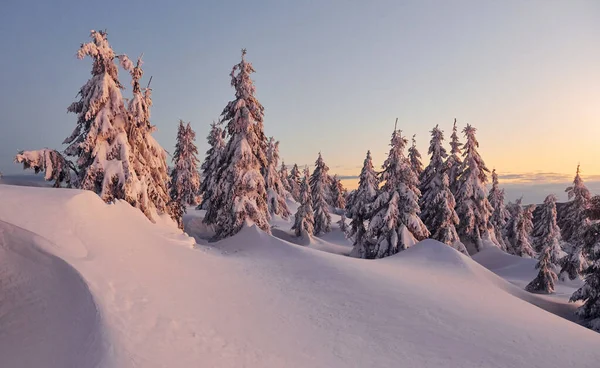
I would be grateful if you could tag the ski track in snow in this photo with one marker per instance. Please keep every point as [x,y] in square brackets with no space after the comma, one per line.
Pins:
[255,300]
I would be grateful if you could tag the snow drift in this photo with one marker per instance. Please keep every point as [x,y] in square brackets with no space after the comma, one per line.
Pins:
[255,300]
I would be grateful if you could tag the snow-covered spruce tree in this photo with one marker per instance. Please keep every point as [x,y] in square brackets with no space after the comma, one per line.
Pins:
[185,178]
[275,190]
[149,159]
[342,223]
[546,233]
[99,141]
[337,193]
[519,230]
[473,208]
[573,223]
[294,182]
[431,178]
[499,214]
[445,219]
[49,161]
[414,156]
[589,293]
[396,207]
[319,182]
[360,203]
[304,221]
[210,166]
[454,161]
[283,176]
[546,239]
[241,183]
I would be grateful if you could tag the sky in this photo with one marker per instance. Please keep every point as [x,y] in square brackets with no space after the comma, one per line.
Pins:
[333,76]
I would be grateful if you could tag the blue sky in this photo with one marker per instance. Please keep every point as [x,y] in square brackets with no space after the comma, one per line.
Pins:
[332,75]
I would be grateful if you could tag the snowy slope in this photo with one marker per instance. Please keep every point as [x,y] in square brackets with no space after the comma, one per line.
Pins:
[255,300]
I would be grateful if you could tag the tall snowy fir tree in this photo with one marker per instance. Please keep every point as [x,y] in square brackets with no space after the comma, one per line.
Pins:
[275,190]
[99,141]
[414,156]
[431,179]
[362,199]
[499,214]
[445,219]
[210,166]
[283,176]
[241,183]
[148,157]
[546,235]
[396,207]
[589,293]
[473,208]
[573,223]
[304,221]
[185,178]
[337,193]
[519,231]
[294,182]
[454,161]
[319,187]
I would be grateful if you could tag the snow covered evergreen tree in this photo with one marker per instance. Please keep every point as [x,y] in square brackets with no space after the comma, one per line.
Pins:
[362,199]
[99,141]
[546,233]
[342,223]
[241,183]
[544,281]
[431,179]
[283,176]
[396,207]
[149,159]
[294,182]
[499,214]
[275,190]
[185,178]
[319,183]
[473,208]
[55,167]
[573,223]
[304,221]
[454,161]
[211,165]
[337,193]
[589,293]
[519,230]
[414,156]
[445,218]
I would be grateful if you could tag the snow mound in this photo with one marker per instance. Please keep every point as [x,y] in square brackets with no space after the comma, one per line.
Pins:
[48,317]
[254,300]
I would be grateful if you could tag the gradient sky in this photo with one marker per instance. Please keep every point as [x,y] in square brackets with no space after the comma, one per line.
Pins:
[332,75]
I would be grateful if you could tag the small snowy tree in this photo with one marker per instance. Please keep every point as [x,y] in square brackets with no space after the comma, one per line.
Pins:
[544,282]
[499,214]
[414,156]
[210,166]
[362,199]
[572,223]
[342,223]
[319,182]
[454,161]
[304,221]
[473,208]
[241,184]
[49,161]
[445,218]
[275,190]
[431,179]
[185,178]
[589,293]
[337,193]
[283,176]
[294,182]
[99,141]
[396,207]
[519,231]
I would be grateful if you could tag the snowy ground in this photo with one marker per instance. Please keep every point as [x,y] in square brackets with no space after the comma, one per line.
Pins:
[85,284]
